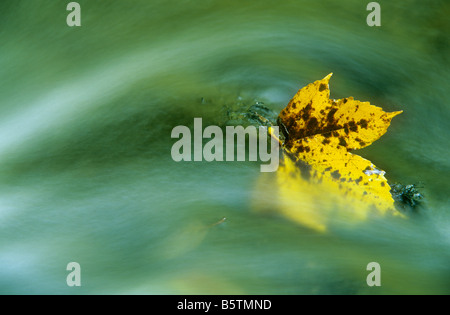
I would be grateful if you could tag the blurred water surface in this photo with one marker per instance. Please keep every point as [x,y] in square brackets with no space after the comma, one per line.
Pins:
[86,172]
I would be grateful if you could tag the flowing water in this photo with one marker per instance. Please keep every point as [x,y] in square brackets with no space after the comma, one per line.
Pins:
[86,173]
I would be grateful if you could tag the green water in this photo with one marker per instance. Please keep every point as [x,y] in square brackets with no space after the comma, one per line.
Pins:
[86,171]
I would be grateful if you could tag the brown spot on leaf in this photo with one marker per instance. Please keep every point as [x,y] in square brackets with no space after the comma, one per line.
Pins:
[342,142]
[362,143]
[363,123]
[305,113]
[352,126]
[336,175]
[312,124]
[359,180]
[330,116]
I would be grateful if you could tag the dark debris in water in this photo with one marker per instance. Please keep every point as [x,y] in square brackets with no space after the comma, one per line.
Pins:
[407,197]
[254,115]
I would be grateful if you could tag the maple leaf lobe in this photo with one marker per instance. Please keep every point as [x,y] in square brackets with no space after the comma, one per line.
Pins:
[345,122]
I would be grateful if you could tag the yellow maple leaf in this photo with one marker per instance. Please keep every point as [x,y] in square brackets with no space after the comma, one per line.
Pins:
[319,178]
